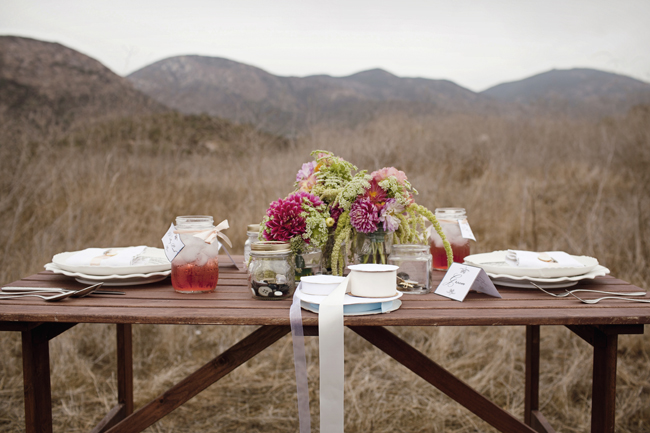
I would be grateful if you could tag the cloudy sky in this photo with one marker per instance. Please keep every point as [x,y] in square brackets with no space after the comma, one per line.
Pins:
[476,44]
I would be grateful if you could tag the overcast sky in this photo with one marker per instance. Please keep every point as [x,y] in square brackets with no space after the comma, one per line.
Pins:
[476,44]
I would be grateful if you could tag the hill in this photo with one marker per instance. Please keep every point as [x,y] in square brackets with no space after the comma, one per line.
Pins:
[574,91]
[46,85]
[244,93]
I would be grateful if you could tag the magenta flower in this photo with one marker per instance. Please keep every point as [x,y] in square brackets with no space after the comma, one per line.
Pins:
[364,216]
[285,220]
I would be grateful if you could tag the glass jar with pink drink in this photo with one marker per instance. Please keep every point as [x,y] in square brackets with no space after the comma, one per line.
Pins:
[453,222]
[195,269]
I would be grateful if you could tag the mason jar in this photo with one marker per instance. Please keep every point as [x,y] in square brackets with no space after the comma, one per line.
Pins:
[449,219]
[414,273]
[252,233]
[271,270]
[195,269]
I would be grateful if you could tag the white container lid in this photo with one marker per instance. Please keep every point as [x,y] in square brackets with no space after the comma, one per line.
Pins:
[373,267]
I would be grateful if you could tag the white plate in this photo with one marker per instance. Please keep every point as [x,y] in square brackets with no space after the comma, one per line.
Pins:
[310,303]
[546,283]
[495,263]
[111,280]
[156,254]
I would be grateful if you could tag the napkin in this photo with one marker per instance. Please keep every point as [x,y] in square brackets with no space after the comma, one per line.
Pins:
[113,257]
[530,259]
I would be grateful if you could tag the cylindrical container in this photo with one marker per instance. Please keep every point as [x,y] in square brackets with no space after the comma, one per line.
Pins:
[271,270]
[373,247]
[195,269]
[373,280]
[252,233]
[308,262]
[449,219]
[414,273]
[320,285]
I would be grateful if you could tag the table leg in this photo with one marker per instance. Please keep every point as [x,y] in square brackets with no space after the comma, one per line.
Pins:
[531,401]
[36,378]
[125,368]
[603,393]
[36,375]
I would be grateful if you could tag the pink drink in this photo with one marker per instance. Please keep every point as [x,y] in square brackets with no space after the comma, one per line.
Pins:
[460,251]
[191,278]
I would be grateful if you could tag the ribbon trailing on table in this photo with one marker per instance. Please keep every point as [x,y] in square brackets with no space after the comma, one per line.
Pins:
[300,363]
[331,361]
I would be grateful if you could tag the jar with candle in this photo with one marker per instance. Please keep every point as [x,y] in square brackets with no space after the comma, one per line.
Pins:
[271,270]
[252,233]
[450,220]
[195,269]
[414,273]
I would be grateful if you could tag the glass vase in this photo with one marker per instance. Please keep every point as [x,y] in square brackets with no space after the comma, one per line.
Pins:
[308,262]
[373,247]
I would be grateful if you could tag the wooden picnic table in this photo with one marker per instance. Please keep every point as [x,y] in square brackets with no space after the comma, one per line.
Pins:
[232,304]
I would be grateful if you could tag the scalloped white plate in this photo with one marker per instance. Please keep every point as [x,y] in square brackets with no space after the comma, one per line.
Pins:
[546,283]
[495,263]
[111,280]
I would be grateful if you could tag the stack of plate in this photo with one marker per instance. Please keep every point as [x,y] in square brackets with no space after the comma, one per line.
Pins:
[550,277]
[152,265]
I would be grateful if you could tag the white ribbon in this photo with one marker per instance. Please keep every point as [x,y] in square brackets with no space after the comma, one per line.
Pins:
[300,363]
[331,354]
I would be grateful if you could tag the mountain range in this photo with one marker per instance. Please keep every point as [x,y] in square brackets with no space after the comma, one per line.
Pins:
[50,83]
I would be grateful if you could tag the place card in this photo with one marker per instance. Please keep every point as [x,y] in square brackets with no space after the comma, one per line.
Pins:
[172,243]
[460,279]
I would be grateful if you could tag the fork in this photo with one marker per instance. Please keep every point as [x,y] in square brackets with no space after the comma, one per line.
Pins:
[569,292]
[595,301]
[78,293]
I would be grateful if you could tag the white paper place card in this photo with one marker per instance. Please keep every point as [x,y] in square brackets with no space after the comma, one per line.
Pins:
[172,243]
[460,279]
[465,230]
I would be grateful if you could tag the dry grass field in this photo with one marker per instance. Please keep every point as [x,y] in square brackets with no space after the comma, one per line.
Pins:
[578,186]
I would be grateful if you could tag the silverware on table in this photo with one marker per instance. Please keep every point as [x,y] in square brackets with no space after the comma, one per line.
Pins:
[54,298]
[30,290]
[621,298]
[569,292]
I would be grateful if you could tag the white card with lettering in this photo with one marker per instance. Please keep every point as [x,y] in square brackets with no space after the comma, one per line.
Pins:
[172,243]
[460,279]
[466,230]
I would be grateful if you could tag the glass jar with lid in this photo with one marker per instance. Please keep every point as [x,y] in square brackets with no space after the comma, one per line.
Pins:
[271,270]
[252,233]
[450,219]
[195,269]
[414,273]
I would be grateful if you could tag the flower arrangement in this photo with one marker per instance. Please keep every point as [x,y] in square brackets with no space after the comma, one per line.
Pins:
[380,204]
[334,204]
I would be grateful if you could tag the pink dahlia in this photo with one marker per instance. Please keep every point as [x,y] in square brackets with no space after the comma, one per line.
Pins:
[285,220]
[363,215]
[386,172]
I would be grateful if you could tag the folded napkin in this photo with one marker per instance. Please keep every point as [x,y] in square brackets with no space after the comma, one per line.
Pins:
[530,259]
[113,257]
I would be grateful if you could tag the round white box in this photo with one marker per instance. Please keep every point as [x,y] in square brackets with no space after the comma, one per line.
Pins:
[373,280]
[321,285]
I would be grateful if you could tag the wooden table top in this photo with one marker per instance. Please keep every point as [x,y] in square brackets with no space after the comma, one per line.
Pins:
[232,304]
